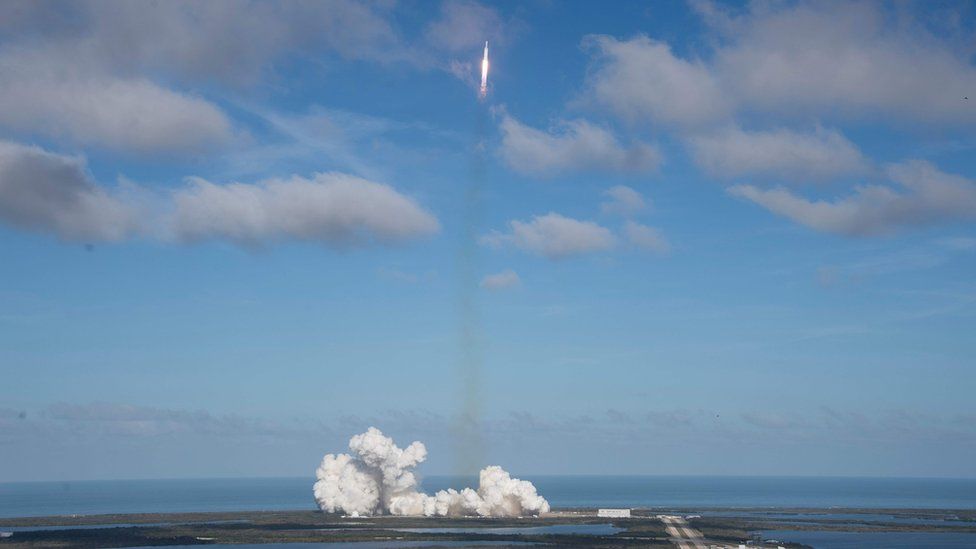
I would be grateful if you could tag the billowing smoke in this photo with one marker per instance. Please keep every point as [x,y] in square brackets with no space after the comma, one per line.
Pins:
[378,479]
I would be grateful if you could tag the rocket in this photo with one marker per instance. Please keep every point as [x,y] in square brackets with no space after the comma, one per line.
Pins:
[484,72]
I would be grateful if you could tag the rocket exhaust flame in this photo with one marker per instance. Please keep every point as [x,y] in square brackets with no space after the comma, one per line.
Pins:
[484,72]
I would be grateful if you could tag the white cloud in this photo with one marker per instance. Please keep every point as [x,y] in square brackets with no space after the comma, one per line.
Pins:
[574,145]
[91,73]
[847,59]
[44,96]
[792,60]
[228,41]
[646,238]
[500,281]
[553,236]
[623,201]
[926,196]
[641,78]
[821,155]
[51,193]
[332,208]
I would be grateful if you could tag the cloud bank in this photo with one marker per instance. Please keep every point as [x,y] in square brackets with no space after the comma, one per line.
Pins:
[836,60]
[175,440]
[131,77]
[51,193]
[783,63]
[231,41]
[849,60]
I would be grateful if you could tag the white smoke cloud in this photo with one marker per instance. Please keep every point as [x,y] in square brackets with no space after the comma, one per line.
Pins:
[379,479]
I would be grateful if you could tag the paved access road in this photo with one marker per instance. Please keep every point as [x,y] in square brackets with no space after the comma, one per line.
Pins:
[684,536]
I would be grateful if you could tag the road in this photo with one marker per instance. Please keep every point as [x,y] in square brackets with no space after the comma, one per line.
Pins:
[684,536]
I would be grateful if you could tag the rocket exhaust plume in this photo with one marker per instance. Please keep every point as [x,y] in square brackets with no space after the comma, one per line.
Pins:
[378,479]
[467,440]
[484,72]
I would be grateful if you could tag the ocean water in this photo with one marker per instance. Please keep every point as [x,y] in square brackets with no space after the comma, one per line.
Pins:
[166,496]
[875,540]
[828,517]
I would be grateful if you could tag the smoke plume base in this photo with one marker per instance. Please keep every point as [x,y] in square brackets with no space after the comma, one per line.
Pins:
[378,479]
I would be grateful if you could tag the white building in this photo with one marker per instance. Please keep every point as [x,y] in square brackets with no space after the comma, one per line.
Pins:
[613,513]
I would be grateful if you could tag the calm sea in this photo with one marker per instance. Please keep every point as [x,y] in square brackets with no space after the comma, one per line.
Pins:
[164,496]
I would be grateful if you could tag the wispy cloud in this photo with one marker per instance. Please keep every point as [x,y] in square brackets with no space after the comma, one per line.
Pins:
[110,420]
[501,280]
[553,236]
[646,238]
[571,146]
[781,153]
[623,201]
[924,196]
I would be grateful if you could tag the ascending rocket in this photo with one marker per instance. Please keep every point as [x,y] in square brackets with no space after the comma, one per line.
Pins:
[484,72]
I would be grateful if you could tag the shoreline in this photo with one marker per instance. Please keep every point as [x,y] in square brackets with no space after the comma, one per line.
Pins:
[574,526]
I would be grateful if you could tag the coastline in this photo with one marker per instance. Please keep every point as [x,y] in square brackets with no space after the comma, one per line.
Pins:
[567,526]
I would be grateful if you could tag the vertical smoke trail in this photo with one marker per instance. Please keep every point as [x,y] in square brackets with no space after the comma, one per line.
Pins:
[470,446]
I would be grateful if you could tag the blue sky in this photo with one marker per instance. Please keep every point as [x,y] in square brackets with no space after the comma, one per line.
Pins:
[675,238]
